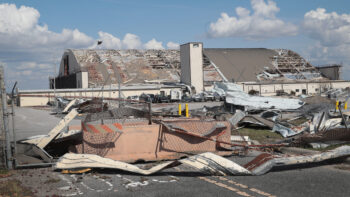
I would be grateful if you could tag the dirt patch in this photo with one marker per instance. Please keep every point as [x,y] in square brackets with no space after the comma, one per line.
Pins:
[52,180]
[14,187]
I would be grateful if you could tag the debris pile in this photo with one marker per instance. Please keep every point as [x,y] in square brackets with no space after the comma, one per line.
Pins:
[139,131]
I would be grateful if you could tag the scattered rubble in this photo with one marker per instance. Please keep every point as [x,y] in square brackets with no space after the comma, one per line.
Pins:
[139,131]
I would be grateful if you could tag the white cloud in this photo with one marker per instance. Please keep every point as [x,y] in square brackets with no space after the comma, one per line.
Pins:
[173,45]
[331,32]
[26,72]
[109,41]
[153,44]
[132,41]
[321,55]
[331,29]
[33,65]
[29,49]
[261,24]
[20,29]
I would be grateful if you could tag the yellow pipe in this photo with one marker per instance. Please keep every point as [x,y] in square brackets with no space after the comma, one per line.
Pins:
[186,110]
[179,109]
[346,105]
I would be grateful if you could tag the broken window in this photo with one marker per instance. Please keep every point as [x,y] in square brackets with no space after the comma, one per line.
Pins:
[303,91]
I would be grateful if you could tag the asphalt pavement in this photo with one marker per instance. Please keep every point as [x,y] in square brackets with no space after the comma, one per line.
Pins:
[30,122]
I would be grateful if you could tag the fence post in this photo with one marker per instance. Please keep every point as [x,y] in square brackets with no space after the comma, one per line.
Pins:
[5,118]
[2,137]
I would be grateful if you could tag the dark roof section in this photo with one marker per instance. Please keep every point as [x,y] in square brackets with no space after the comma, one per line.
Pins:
[241,64]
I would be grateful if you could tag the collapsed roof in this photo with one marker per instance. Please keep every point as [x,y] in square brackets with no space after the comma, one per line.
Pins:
[260,64]
[159,66]
[133,66]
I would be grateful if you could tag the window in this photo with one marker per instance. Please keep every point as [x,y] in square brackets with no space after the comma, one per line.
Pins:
[303,91]
[296,90]
[316,89]
[195,45]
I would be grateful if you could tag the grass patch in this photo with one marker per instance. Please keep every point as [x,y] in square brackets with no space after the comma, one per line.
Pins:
[14,187]
[5,173]
[260,134]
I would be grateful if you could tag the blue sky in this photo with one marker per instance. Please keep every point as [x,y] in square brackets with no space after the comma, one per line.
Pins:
[32,38]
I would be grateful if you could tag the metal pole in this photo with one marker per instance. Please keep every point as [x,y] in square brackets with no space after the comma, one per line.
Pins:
[186,107]
[13,125]
[54,88]
[180,109]
[119,92]
[150,112]
[5,117]
[2,132]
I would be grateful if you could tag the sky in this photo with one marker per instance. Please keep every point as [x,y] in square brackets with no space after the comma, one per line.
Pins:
[35,33]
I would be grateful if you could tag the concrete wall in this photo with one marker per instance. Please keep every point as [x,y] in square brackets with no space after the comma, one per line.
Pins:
[42,97]
[185,64]
[191,55]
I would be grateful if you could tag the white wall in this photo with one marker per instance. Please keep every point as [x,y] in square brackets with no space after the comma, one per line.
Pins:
[40,98]
[82,80]
[310,87]
[191,55]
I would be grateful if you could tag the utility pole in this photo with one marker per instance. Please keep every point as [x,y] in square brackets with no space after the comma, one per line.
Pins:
[5,118]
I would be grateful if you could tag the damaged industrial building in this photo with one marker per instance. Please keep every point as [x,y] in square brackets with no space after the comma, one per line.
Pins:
[193,69]
[204,108]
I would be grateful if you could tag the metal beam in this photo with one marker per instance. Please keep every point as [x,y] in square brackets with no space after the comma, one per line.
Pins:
[56,130]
